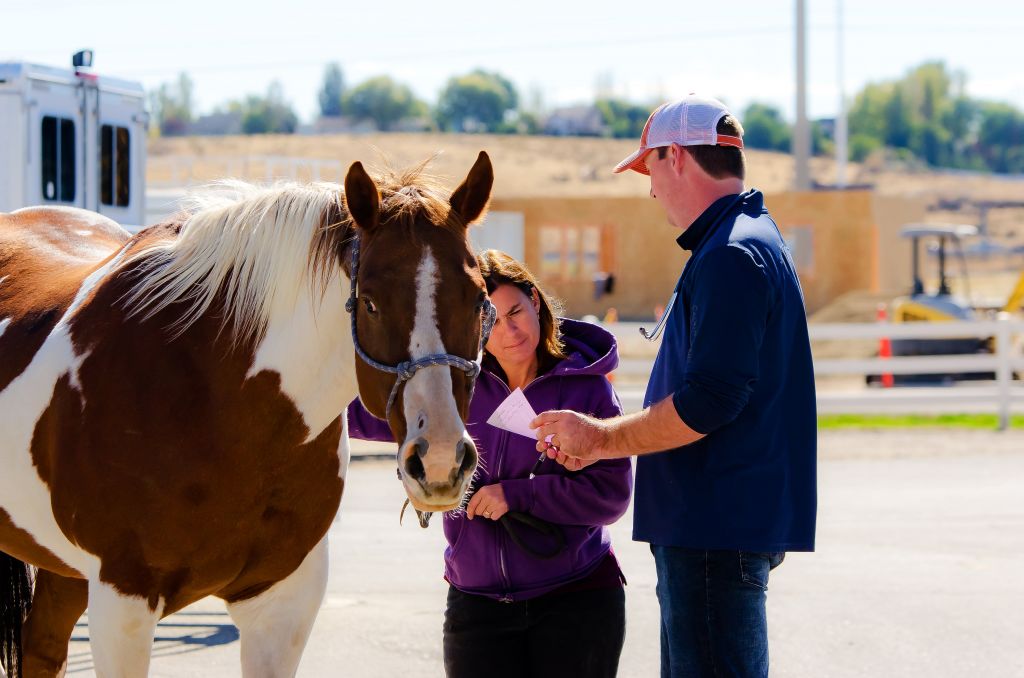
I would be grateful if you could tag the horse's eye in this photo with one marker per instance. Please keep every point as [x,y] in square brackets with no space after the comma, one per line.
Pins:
[371,308]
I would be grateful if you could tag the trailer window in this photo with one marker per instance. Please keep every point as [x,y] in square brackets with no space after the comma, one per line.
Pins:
[58,158]
[115,146]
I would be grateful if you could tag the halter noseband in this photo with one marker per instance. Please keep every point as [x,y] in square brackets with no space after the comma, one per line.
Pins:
[405,370]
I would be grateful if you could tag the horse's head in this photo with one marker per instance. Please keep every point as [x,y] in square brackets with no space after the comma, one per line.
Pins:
[419,294]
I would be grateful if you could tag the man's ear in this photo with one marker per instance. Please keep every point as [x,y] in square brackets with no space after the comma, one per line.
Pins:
[678,158]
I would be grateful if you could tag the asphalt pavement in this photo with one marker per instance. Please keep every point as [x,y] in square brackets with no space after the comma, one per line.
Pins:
[917,573]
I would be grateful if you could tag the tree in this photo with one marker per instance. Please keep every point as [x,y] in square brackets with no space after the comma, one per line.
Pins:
[866,117]
[477,101]
[171,106]
[924,114]
[897,120]
[863,145]
[332,91]
[960,121]
[763,127]
[270,114]
[625,120]
[382,100]
[1001,137]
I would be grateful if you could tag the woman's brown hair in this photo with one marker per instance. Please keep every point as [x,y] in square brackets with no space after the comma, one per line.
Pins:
[499,269]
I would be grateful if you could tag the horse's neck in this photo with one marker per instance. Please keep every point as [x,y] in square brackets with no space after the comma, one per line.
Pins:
[310,346]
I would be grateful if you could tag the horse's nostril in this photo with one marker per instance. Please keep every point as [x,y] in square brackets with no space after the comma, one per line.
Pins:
[414,468]
[465,455]
[414,464]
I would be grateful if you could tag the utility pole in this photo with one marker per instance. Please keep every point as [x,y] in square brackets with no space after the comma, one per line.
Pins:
[801,131]
[841,131]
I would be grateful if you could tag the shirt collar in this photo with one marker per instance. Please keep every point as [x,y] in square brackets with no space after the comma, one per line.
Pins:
[692,236]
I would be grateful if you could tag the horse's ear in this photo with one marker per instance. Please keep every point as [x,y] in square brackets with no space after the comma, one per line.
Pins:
[362,197]
[470,199]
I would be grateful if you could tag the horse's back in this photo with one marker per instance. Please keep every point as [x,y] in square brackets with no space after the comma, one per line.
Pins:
[47,252]
[64,233]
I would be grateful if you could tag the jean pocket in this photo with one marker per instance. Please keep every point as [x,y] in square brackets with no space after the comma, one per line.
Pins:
[754,567]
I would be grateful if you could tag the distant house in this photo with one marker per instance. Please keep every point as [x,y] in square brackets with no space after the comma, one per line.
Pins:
[415,124]
[345,124]
[339,124]
[827,127]
[575,121]
[216,124]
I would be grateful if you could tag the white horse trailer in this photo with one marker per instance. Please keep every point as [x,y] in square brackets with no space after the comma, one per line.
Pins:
[72,137]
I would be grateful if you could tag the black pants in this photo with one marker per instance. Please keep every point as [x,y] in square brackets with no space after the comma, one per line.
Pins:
[563,635]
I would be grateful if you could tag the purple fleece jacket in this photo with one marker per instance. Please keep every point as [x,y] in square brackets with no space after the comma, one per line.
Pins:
[481,558]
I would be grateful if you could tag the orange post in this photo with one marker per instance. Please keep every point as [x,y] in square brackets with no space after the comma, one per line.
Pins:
[884,346]
[611,316]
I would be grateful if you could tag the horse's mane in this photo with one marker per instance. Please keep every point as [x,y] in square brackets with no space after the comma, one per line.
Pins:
[259,245]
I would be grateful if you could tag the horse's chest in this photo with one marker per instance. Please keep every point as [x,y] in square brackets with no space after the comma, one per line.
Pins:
[280,526]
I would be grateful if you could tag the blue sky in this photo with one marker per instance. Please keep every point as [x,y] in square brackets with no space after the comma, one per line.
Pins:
[557,51]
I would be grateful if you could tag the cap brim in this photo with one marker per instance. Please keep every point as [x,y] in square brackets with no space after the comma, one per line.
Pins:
[635,162]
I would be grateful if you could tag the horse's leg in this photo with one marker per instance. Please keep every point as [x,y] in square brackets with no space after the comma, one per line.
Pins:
[275,625]
[57,605]
[121,631]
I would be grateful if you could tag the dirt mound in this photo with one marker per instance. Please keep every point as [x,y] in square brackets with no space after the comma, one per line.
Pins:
[534,166]
[568,166]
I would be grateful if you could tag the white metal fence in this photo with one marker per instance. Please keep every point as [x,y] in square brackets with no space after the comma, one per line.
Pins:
[1002,395]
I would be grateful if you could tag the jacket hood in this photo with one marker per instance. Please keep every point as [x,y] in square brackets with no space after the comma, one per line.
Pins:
[590,348]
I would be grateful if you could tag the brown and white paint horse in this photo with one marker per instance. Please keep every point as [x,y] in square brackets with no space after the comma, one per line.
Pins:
[170,403]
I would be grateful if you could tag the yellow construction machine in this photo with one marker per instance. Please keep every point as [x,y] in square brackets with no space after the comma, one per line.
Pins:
[940,304]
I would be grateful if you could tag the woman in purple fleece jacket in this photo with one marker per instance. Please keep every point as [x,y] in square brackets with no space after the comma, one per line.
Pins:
[509,612]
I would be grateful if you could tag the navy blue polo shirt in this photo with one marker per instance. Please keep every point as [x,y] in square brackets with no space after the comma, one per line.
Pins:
[736,360]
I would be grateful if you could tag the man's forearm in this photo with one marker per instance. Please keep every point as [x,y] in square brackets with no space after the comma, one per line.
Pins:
[654,429]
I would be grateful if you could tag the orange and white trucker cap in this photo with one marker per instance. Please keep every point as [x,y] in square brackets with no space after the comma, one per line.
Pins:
[691,121]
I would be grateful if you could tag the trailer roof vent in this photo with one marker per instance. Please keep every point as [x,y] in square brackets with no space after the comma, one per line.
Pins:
[82,59]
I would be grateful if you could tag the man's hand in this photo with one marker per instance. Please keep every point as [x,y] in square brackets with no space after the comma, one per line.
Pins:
[489,502]
[576,439]
[570,463]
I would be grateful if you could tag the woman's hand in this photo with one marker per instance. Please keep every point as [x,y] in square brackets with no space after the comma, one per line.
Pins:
[489,502]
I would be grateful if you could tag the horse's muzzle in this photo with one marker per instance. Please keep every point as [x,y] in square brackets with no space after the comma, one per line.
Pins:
[436,477]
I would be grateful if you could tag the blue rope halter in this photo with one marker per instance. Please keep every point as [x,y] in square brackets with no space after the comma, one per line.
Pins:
[405,370]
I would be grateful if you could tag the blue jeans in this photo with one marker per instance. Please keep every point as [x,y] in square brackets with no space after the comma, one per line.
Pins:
[713,619]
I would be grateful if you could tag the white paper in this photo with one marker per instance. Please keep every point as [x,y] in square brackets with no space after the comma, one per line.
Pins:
[515,415]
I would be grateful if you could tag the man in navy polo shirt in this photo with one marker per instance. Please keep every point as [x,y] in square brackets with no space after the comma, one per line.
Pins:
[726,474]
